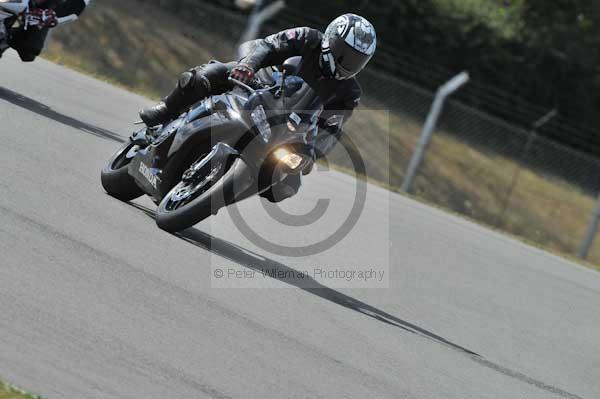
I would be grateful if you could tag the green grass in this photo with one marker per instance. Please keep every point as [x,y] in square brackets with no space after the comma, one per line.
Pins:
[134,51]
[9,392]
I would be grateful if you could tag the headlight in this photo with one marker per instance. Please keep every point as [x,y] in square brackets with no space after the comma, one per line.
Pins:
[289,159]
[291,127]
[260,120]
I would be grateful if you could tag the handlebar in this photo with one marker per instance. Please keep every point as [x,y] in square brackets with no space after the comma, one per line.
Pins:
[251,87]
[242,85]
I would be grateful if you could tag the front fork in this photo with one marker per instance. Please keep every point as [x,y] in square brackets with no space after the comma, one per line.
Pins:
[217,158]
[225,168]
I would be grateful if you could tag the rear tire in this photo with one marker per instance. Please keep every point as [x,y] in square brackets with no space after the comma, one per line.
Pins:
[115,178]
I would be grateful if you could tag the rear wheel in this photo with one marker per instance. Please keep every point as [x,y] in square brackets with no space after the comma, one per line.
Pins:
[116,180]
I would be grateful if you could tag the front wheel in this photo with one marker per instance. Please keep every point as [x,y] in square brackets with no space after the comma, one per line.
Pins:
[190,201]
[115,178]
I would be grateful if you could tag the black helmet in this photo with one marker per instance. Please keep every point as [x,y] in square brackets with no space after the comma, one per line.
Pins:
[348,44]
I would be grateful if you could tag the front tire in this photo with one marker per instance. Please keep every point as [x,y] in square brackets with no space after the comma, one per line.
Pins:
[115,178]
[176,212]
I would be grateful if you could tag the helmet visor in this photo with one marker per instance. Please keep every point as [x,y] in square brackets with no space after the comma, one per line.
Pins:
[349,63]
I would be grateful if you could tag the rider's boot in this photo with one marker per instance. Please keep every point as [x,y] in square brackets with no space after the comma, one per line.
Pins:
[156,115]
[170,108]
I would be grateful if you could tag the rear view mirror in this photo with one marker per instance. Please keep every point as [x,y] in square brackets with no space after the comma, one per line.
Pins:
[291,66]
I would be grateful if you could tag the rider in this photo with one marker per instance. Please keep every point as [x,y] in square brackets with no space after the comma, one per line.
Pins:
[30,43]
[330,62]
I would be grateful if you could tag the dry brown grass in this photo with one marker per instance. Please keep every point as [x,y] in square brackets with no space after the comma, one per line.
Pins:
[133,44]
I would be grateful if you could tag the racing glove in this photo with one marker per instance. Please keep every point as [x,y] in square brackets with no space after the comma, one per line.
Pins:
[242,72]
[41,18]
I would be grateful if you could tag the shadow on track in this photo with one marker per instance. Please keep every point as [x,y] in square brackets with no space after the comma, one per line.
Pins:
[259,263]
[275,269]
[47,112]
[289,276]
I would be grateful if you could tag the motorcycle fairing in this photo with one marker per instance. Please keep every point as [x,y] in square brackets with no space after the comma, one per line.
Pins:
[154,168]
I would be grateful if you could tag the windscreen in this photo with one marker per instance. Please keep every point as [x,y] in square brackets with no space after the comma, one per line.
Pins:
[303,101]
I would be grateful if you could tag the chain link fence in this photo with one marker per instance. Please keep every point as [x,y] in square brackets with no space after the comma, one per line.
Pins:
[477,165]
[511,179]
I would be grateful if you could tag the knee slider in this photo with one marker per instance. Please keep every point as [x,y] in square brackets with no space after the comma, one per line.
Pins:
[187,80]
[215,76]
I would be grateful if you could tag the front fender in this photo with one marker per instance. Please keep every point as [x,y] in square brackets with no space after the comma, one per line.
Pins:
[235,185]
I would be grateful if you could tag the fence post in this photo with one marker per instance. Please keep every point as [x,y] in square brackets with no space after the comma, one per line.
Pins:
[434,114]
[588,239]
[530,139]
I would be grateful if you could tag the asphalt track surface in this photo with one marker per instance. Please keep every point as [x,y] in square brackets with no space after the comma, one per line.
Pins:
[96,302]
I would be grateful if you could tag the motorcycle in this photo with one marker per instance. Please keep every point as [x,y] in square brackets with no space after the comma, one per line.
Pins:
[25,14]
[224,149]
